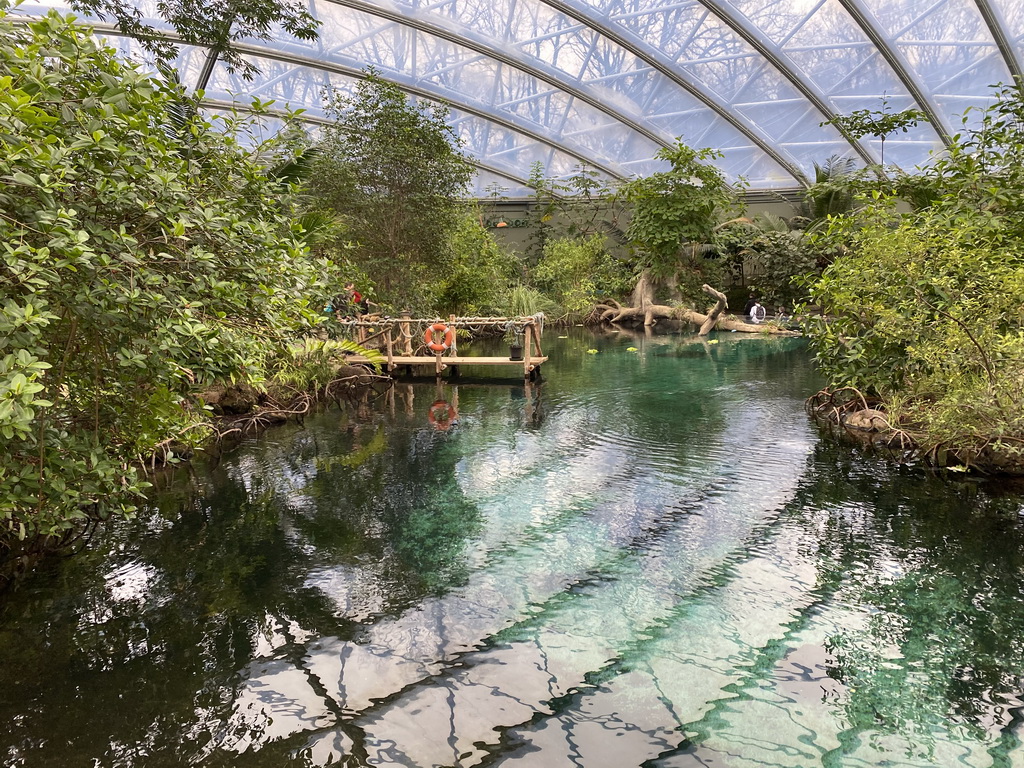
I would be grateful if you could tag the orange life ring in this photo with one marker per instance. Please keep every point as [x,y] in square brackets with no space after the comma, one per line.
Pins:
[439,346]
[444,420]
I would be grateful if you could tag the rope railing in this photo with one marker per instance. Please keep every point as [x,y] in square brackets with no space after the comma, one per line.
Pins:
[407,333]
[458,322]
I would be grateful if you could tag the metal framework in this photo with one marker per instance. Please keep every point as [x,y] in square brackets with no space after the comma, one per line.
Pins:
[606,83]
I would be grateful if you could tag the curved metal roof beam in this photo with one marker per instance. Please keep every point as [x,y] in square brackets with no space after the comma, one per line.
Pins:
[492,52]
[668,68]
[997,26]
[511,125]
[777,59]
[227,106]
[900,66]
[264,53]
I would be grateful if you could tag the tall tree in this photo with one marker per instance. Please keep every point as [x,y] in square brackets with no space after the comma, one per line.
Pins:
[673,218]
[677,208]
[394,171]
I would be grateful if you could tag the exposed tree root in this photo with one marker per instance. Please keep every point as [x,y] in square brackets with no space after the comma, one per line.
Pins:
[843,410]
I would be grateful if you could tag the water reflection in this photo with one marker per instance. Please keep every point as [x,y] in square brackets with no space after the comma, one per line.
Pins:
[646,559]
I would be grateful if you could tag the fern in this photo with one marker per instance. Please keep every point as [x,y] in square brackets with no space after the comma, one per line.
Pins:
[313,363]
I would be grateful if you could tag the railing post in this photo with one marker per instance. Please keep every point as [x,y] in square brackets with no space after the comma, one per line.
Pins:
[390,343]
[527,348]
[406,332]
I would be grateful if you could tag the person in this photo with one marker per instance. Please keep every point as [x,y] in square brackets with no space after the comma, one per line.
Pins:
[750,303]
[756,313]
[355,299]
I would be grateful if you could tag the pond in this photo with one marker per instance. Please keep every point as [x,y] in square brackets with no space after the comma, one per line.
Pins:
[650,557]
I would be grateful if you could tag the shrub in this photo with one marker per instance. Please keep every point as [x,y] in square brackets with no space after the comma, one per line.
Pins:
[478,273]
[925,312]
[576,274]
[144,254]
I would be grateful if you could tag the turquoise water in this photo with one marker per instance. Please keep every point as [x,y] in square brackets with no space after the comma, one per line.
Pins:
[649,558]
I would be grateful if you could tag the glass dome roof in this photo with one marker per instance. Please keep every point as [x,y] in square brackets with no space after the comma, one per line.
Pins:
[606,83]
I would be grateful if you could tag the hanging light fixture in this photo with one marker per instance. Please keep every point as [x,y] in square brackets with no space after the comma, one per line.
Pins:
[501,222]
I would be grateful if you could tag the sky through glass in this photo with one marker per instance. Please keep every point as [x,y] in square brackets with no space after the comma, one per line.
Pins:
[606,83]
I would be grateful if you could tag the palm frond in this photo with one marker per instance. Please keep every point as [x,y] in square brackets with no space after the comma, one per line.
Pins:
[318,226]
[297,168]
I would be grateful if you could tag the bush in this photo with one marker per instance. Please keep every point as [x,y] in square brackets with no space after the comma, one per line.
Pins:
[479,272]
[144,254]
[577,274]
[925,312]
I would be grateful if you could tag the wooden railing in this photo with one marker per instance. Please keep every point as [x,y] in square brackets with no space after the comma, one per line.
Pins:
[403,339]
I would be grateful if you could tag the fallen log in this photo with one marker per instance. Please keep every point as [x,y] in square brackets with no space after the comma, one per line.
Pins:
[613,312]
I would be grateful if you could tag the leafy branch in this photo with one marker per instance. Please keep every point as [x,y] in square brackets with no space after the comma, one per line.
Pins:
[878,123]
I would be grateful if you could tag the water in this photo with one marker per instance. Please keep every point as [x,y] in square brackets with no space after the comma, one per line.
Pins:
[651,558]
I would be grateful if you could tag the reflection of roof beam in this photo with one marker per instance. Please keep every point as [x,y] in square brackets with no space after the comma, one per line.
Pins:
[755,40]
[997,26]
[494,53]
[899,65]
[340,69]
[671,70]
[228,106]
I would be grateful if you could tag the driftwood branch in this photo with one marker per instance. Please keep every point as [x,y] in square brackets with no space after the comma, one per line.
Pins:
[720,304]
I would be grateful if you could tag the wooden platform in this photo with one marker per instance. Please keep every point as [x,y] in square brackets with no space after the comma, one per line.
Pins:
[395,339]
[439,364]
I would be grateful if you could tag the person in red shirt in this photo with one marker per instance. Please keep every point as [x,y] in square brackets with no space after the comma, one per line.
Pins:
[355,299]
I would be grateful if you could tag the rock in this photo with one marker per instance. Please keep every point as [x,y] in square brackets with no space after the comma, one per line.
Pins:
[868,419]
[234,399]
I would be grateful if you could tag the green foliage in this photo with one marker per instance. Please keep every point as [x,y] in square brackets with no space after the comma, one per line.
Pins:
[393,172]
[925,308]
[878,123]
[138,262]
[582,205]
[214,26]
[984,169]
[475,281]
[677,207]
[579,273]
[925,312]
[832,193]
[781,259]
[312,364]
[523,300]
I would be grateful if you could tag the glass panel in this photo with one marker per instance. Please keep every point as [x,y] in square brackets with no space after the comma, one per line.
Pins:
[948,47]
[834,53]
[1012,14]
[500,187]
[530,78]
[759,171]
[906,150]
